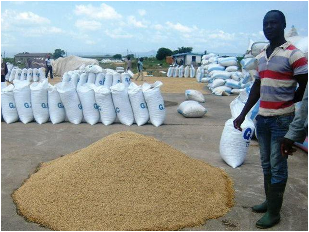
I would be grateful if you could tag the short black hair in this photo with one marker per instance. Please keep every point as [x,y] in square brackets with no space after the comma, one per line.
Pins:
[282,16]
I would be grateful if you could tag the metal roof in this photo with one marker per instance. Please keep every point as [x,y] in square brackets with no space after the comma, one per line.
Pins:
[187,53]
[26,54]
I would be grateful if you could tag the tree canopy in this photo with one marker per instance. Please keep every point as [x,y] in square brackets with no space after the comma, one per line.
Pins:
[182,50]
[58,53]
[162,53]
[117,56]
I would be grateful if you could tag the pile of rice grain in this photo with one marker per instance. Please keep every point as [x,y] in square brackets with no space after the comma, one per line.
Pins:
[125,181]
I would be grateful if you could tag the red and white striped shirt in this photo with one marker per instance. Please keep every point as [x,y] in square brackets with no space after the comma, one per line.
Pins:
[278,83]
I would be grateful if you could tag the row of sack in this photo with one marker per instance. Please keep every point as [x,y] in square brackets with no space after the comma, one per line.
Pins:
[181,71]
[106,79]
[26,74]
[43,102]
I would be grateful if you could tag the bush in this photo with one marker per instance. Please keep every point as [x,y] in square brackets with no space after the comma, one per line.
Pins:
[162,53]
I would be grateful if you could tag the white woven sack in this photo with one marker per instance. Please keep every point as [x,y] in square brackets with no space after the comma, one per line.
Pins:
[191,109]
[108,80]
[100,79]
[138,103]
[249,64]
[222,91]
[36,77]
[24,74]
[187,72]
[231,69]
[199,74]
[8,105]
[221,75]
[233,84]
[22,96]
[82,79]
[29,74]
[12,75]
[195,95]
[155,102]
[91,78]
[41,75]
[75,79]
[66,77]
[192,71]
[237,91]
[181,71]
[169,72]
[39,101]
[217,67]
[236,76]
[18,74]
[228,61]
[217,82]
[234,144]
[56,108]
[176,72]
[105,104]
[122,104]
[125,79]
[93,69]
[35,72]
[90,107]
[71,102]
[116,78]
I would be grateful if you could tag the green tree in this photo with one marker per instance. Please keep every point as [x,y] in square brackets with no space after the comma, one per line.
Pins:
[162,53]
[117,56]
[58,53]
[182,50]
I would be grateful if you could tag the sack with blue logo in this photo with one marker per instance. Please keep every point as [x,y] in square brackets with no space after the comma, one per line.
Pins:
[100,79]
[125,79]
[75,79]
[71,102]
[8,105]
[234,144]
[91,78]
[39,101]
[103,98]
[116,78]
[155,102]
[108,80]
[122,104]
[56,108]
[138,103]
[82,79]
[18,74]
[87,99]
[22,96]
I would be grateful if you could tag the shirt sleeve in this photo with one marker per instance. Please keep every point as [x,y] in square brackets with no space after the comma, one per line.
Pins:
[298,62]
[298,129]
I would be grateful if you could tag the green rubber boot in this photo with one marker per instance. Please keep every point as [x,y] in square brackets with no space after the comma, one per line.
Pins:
[262,208]
[274,203]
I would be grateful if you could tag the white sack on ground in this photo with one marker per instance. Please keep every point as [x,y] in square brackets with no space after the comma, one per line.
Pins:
[122,104]
[187,72]
[75,79]
[222,91]
[191,109]
[105,104]
[66,77]
[8,105]
[125,79]
[199,74]
[181,71]
[82,79]
[195,95]
[108,80]
[192,71]
[12,75]
[176,72]
[91,78]
[34,73]
[29,74]
[41,75]
[100,79]
[138,103]
[155,102]
[234,144]
[169,72]
[56,108]
[18,74]
[24,74]
[39,101]
[22,96]
[87,99]
[116,78]
[71,102]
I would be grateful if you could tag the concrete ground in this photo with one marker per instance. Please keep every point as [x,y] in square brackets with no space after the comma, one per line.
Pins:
[25,146]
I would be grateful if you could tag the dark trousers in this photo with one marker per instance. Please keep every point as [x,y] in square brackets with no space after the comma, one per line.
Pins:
[2,78]
[49,69]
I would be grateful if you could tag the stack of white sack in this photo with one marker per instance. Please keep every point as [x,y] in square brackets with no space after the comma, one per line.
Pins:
[234,144]
[29,74]
[181,71]
[191,109]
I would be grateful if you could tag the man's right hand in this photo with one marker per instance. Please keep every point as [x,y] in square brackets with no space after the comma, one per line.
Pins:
[238,121]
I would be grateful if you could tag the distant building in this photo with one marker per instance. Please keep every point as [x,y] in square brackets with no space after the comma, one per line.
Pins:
[31,60]
[188,58]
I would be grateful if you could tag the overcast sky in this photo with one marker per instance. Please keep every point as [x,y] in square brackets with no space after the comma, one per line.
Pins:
[140,26]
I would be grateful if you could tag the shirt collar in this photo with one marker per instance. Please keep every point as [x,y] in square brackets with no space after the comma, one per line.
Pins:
[283,46]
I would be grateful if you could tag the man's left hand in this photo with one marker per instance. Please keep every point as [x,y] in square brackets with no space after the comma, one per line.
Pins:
[287,147]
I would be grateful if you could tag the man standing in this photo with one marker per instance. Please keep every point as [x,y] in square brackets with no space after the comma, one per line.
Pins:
[140,69]
[4,70]
[129,63]
[280,67]
[49,68]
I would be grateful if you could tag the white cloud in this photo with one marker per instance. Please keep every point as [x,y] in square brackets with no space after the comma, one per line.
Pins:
[179,27]
[118,34]
[142,12]
[158,27]
[132,21]
[104,11]
[90,42]
[41,31]
[222,35]
[90,25]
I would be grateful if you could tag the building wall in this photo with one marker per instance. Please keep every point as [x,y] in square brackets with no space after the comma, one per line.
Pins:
[188,60]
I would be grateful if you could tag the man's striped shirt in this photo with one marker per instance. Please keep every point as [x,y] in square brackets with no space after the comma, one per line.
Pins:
[278,83]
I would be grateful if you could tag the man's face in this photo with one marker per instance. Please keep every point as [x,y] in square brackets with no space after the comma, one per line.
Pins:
[273,26]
